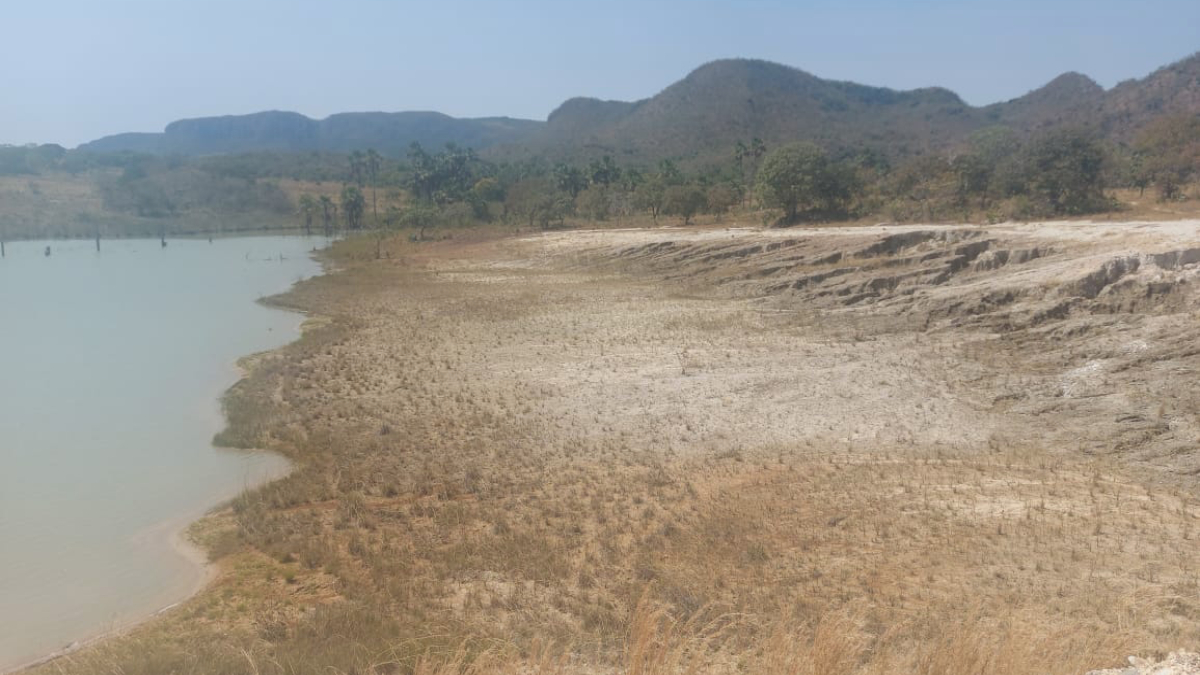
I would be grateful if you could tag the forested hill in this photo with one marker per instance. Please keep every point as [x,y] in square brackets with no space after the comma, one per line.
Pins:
[388,133]
[702,117]
[719,103]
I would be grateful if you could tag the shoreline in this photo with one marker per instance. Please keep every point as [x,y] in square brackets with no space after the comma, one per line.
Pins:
[467,458]
[173,532]
[185,236]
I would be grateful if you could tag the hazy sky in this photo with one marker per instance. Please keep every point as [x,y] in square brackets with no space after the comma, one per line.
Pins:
[75,70]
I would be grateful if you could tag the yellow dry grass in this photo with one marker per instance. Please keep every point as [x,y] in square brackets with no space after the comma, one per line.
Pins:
[516,457]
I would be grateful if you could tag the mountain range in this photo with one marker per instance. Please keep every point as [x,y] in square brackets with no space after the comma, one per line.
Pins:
[277,131]
[701,117]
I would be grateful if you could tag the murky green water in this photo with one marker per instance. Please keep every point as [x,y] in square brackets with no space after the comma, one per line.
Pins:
[111,366]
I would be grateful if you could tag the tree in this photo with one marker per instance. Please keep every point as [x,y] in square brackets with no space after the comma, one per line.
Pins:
[357,167]
[757,148]
[604,171]
[620,204]
[537,202]
[594,202]
[649,195]
[373,162]
[1066,170]
[974,178]
[308,206]
[1171,150]
[328,212]
[993,157]
[484,190]
[922,188]
[652,190]
[420,216]
[442,178]
[740,152]
[489,189]
[554,210]
[800,178]
[631,179]
[683,200]
[722,197]
[381,232]
[1137,173]
[424,174]
[353,206]
[570,179]
[525,197]
[755,152]
[669,173]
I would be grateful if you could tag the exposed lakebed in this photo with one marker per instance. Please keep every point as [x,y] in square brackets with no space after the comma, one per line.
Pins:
[112,364]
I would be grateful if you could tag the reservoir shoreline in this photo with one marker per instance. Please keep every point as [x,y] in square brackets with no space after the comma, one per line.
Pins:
[171,535]
[582,434]
[175,533]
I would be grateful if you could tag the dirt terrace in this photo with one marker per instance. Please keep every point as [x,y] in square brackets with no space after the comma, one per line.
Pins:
[1078,336]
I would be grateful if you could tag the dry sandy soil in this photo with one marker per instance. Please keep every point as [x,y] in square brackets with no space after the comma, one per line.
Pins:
[933,449]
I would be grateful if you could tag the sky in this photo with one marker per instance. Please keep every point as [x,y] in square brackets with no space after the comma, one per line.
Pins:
[76,70]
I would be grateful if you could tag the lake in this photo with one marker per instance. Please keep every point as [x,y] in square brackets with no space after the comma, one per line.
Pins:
[111,368]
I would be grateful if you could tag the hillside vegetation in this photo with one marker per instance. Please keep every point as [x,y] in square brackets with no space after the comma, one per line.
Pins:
[698,119]
[701,116]
[1068,148]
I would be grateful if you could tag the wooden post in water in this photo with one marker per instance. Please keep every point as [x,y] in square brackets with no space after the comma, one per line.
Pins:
[1,247]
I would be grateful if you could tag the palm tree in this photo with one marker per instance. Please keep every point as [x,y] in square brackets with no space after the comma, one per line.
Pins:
[353,206]
[757,150]
[328,209]
[308,206]
[373,162]
[740,152]
[357,162]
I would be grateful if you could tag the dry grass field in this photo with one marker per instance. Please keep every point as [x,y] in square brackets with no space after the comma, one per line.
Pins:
[50,207]
[918,449]
[65,206]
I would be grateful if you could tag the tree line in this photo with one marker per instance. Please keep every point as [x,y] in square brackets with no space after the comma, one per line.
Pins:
[995,174]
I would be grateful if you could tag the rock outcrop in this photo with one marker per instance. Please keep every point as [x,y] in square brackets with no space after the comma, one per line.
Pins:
[1176,663]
